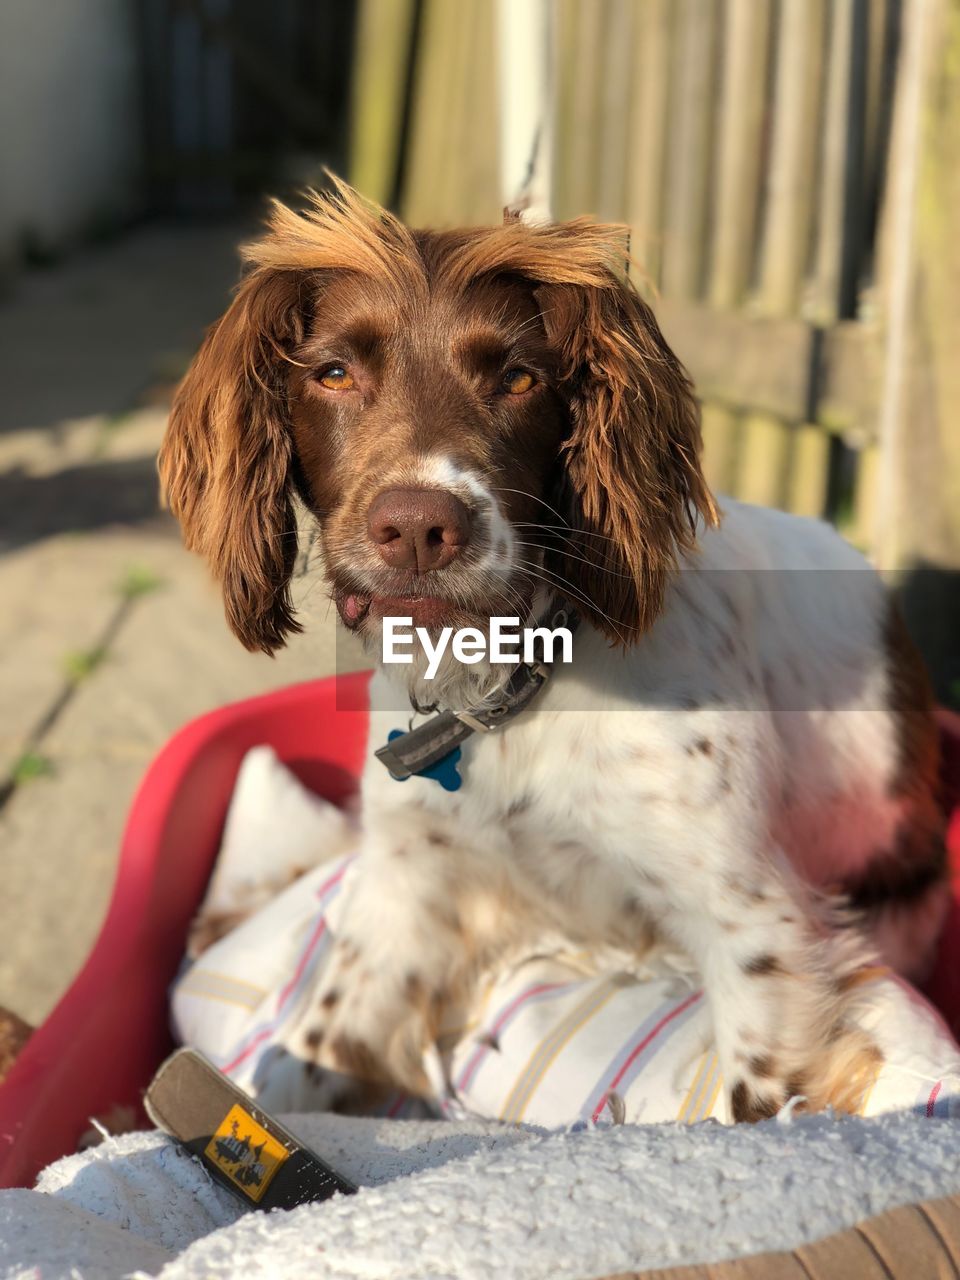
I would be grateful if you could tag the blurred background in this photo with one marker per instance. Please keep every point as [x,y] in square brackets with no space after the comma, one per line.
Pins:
[790,172]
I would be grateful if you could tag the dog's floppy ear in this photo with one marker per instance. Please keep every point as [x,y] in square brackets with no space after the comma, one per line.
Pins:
[226,457]
[634,489]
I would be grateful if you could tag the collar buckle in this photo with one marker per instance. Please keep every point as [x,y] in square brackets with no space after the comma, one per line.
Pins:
[477,725]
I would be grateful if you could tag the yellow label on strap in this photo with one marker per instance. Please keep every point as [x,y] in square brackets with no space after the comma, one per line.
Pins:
[245,1152]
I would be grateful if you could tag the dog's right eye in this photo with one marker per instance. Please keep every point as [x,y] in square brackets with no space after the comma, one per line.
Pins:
[518,381]
[336,378]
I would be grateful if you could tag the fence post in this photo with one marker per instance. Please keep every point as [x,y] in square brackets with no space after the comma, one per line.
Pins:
[385,33]
[525,87]
[918,493]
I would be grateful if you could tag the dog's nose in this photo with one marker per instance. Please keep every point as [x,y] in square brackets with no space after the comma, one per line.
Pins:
[420,529]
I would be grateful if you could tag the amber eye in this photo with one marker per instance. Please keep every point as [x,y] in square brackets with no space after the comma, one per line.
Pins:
[336,378]
[517,381]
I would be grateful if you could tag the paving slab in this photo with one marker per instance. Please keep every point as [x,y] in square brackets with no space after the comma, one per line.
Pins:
[59,837]
[58,597]
[96,671]
[171,658]
[86,338]
[174,657]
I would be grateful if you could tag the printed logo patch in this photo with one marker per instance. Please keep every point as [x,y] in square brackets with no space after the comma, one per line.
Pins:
[245,1152]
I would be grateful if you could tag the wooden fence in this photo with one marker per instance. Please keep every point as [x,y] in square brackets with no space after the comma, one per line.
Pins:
[748,145]
[235,92]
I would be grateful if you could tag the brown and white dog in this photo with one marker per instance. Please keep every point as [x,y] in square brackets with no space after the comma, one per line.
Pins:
[481,421]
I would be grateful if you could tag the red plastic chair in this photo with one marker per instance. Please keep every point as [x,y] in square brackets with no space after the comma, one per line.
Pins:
[100,1046]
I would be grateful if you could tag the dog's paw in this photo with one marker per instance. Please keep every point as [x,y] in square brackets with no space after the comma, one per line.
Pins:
[838,1077]
[345,1095]
[365,1028]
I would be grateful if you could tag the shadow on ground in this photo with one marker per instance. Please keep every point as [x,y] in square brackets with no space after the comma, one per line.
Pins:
[91,335]
[78,499]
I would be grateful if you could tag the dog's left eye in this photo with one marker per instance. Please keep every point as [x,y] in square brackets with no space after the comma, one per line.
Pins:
[517,381]
[336,378]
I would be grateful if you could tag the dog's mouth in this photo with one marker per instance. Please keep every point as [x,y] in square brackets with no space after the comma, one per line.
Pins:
[424,610]
[352,607]
[430,611]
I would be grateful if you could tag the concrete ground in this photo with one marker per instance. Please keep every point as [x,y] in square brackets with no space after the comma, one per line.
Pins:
[111,635]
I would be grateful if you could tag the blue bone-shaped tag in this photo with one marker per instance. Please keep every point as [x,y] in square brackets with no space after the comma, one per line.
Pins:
[444,771]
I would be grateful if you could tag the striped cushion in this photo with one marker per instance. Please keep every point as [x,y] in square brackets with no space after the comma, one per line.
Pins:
[550,1040]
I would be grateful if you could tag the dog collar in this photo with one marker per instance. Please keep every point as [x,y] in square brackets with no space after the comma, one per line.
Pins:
[432,749]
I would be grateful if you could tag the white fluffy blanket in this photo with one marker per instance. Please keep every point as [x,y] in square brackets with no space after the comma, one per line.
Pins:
[480,1200]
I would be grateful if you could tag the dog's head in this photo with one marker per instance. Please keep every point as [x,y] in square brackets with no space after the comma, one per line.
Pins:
[469,415]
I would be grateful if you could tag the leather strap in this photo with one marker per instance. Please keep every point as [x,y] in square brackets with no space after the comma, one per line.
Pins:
[241,1146]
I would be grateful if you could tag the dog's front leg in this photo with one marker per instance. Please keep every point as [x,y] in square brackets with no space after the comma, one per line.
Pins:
[399,955]
[776,972]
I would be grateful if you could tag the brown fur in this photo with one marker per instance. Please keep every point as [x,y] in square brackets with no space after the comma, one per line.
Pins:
[917,862]
[14,1034]
[210,926]
[840,1077]
[612,432]
[911,701]
[633,457]
[225,460]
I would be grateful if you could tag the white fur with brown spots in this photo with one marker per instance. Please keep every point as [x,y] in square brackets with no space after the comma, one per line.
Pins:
[686,783]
